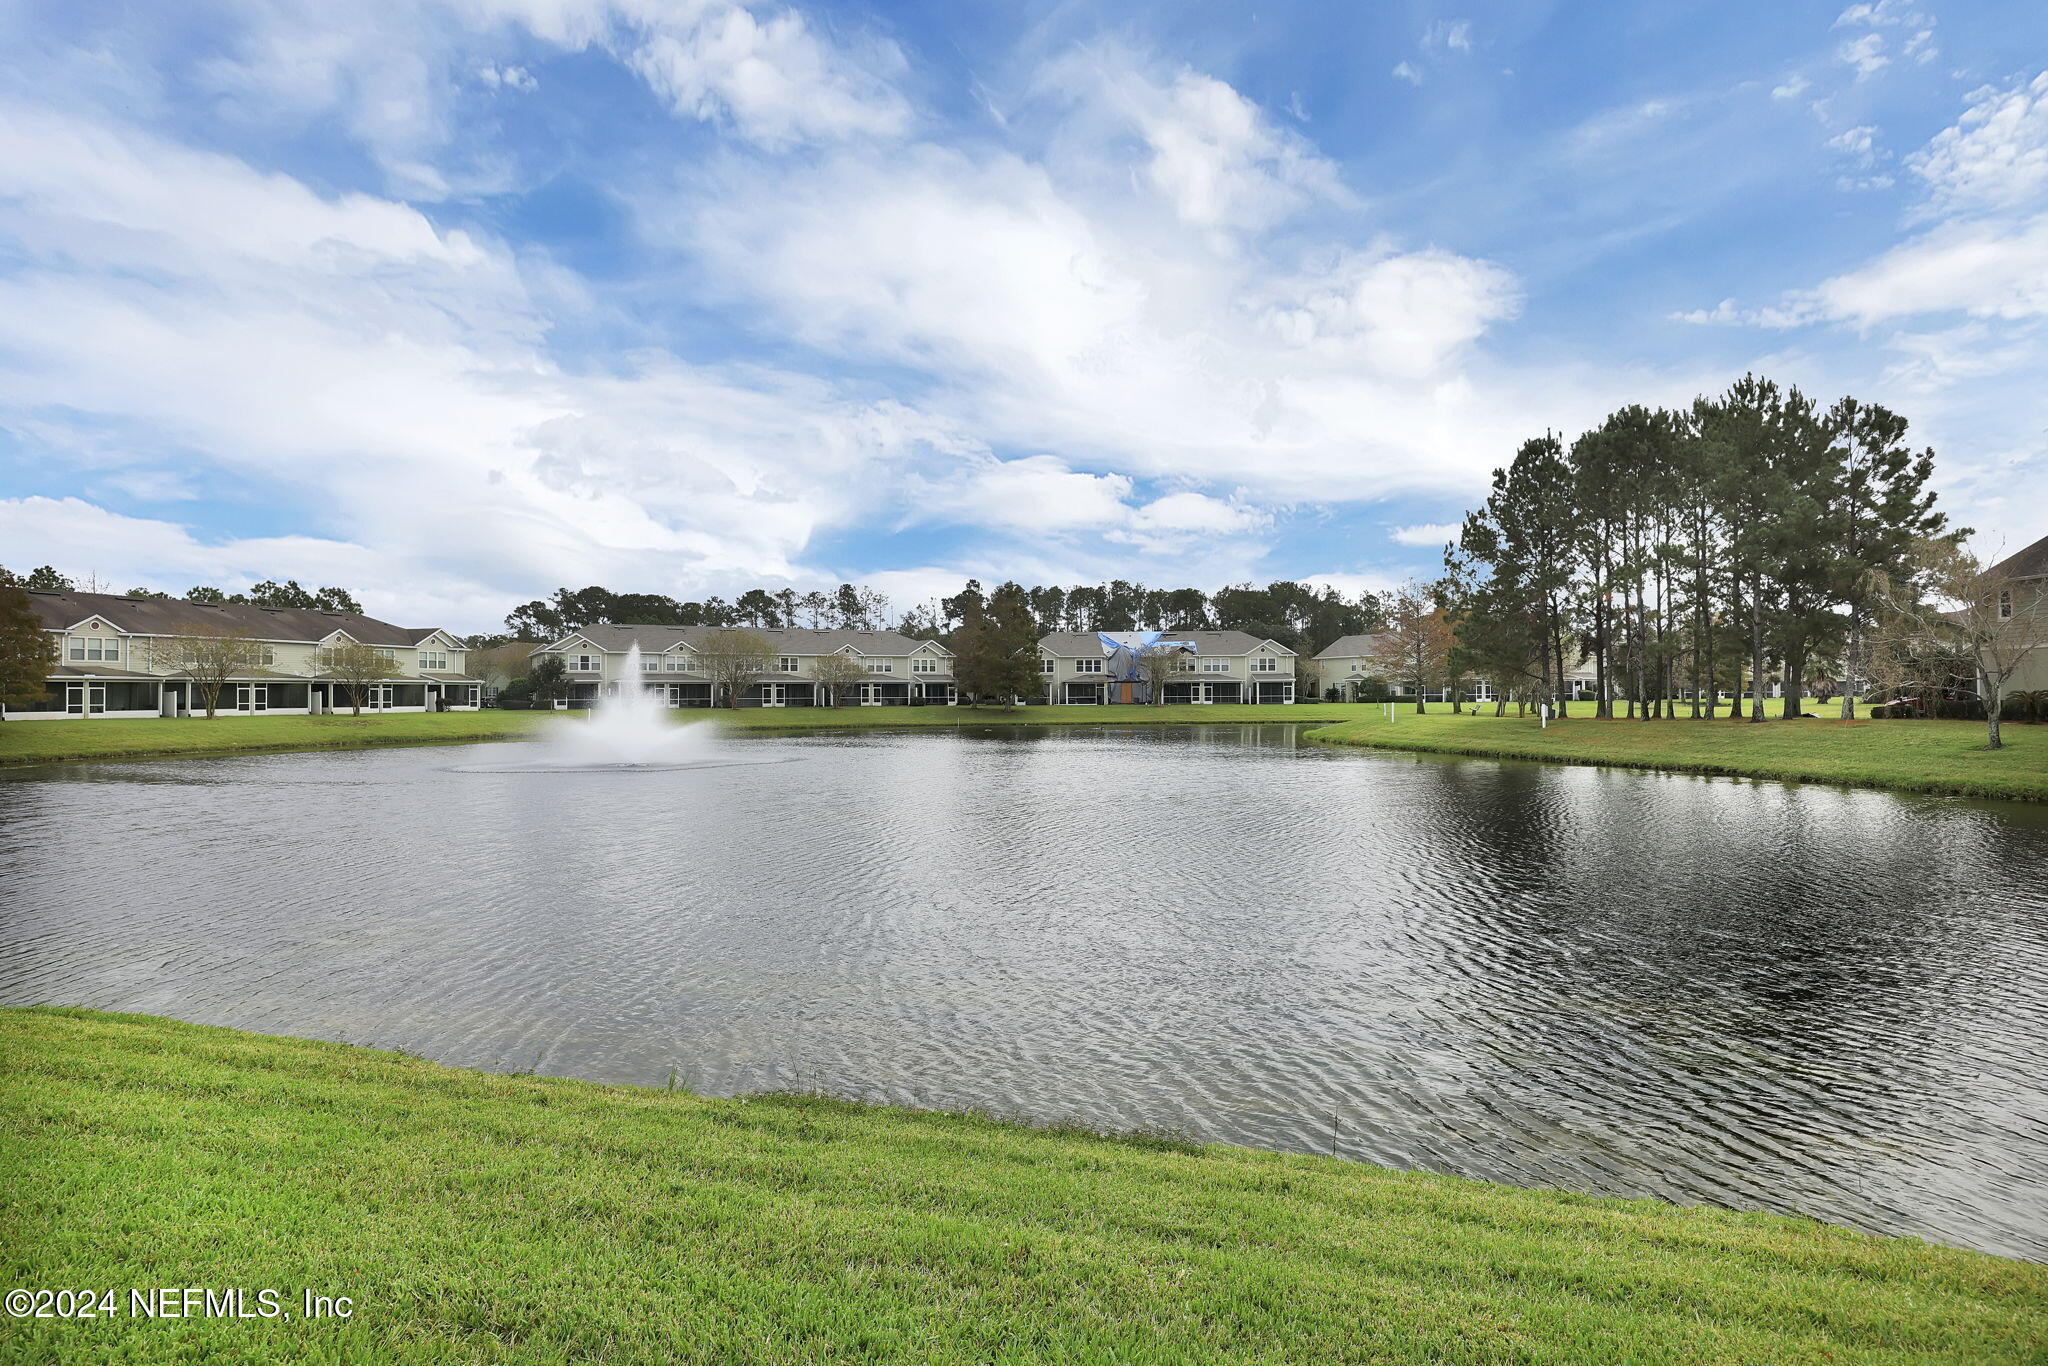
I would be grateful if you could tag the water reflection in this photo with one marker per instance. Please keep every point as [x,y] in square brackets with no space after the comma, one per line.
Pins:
[1709,990]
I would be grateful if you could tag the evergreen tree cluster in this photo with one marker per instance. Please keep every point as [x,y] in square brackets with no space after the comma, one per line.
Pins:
[1299,616]
[1692,553]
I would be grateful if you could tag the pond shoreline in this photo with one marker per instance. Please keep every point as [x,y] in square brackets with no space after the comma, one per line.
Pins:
[1932,758]
[450,1201]
[1928,758]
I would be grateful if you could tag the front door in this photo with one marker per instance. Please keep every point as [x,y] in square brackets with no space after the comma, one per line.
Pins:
[775,694]
[252,697]
[85,699]
[1202,694]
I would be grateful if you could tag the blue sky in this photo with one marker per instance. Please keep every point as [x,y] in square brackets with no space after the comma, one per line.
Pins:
[453,303]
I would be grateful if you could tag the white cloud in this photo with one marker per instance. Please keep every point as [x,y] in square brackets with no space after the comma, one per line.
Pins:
[1407,71]
[1995,156]
[1866,54]
[1791,88]
[506,77]
[1197,513]
[773,79]
[1164,292]
[1038,493]
[1454,35]
[1430,534]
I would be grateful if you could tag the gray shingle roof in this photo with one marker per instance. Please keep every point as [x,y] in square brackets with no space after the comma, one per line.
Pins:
[171,616]
[1081,644]
[792,640]
[1349,647]
[2030,563]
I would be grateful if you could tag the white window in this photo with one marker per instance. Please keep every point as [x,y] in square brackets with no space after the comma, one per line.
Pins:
[1215,666]
[680,664]
[1265,664]
[924,664]
[1046,664]
[881,666]
[94,647]
[650,663]
[583,663]
[2004,605]
[1087,666]
[789,664]
[269,655]
[388,656]
[433,659]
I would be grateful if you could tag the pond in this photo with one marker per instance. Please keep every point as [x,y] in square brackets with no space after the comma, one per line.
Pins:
[1756,995]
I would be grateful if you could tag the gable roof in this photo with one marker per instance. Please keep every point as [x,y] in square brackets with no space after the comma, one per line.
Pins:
[1089,644]
[2030,563]
[617,638]
[1350,647]
[173,616]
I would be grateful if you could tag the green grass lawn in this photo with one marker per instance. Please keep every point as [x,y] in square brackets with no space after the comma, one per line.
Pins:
[481,1218]
[1945,757]
[43,742]
[1920,756]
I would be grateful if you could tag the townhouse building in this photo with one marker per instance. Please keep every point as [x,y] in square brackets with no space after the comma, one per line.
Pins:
[1094,668]
[1347,664]
[898,671]
[2023,594]
[111,650]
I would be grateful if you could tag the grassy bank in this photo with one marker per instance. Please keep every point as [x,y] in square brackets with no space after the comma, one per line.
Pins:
[44,742]
[482,1218]
[1946,757]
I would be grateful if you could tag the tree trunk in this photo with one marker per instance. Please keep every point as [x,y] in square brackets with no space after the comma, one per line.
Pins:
[1756,657]
[1855,665]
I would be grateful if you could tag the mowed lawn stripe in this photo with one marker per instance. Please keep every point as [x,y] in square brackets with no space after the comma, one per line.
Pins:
[483,1218]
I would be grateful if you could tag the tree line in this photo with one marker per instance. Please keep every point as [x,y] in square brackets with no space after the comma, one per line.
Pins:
[268,593]
[1703,552]
[1300,616]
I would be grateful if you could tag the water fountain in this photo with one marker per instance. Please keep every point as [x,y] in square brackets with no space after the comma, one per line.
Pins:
[628,730]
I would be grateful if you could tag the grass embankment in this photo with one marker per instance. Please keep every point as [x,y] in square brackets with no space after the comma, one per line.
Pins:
[46,742]
[1945,757]
[481,1218]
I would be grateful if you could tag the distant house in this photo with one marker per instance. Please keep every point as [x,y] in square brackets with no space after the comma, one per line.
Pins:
[2024,580]
[1091,668]
[1347,663]
[106,663]
[899,670]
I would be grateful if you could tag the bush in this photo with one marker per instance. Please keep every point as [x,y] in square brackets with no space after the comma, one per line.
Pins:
[1374,690]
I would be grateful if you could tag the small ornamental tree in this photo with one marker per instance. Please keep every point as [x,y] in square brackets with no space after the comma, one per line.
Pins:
[733,660]
[1415,644]
[498,665]
[547,679]
[1158,662]
[354,666]
[210,660]
[836,673]
[27,652]
[1987,624]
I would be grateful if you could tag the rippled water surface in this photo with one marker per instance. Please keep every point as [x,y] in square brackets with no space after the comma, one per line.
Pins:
[1748,994]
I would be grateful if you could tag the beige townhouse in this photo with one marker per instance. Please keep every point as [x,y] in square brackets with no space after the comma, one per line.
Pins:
[110,651]
[2023,595]
[895,670]
[1094,668]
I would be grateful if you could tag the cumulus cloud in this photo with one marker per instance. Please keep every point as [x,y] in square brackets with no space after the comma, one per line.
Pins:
[1995,157]
[1131,331]
[1431,534]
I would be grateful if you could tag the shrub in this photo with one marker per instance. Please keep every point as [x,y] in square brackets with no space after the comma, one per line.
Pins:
[1374,690]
